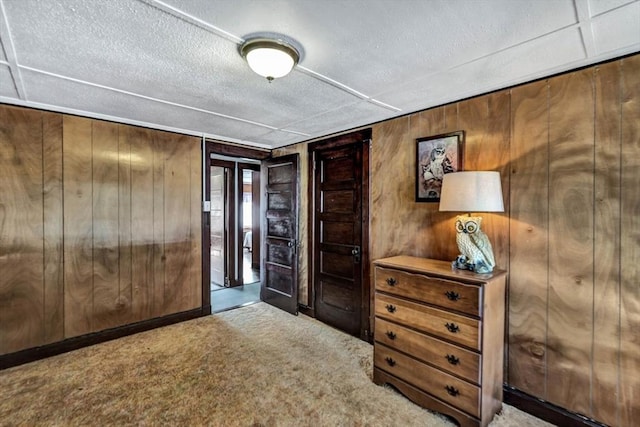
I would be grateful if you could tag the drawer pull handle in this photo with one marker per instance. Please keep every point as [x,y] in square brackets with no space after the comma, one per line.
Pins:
[391,308]
[391,335]
[452,390]
[452,327]
[453,296]
[452,359]
[391,281]
[390,361]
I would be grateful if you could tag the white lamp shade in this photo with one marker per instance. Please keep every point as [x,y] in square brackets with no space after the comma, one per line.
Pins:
[477,191]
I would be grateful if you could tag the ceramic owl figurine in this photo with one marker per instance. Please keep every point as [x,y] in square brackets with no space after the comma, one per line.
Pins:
[475,249]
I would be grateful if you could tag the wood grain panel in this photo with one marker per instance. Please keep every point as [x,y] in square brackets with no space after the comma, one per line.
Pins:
[158,241]
[106,272]
[528,246]
[177,214]
[195,223]
[497,144]
[392,191]
[571,181]
[473,119]
[606,298]
[125,295]
[630,245]
[78,236]
[53,227]
[426,123]
[21,229]
[451,117]
[142,222]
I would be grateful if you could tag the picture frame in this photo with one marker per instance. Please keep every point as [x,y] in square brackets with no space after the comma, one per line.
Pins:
[435,156]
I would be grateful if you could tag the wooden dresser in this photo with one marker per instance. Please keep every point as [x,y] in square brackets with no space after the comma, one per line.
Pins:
[439,336]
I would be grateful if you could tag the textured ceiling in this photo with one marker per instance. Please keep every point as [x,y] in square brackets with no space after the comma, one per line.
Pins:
[174,64]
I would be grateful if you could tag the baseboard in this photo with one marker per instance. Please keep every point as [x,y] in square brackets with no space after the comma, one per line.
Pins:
[32,354]
[546,411]
[306,310]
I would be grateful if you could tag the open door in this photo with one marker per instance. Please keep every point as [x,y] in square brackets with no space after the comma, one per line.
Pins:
[280,230]
[219,243]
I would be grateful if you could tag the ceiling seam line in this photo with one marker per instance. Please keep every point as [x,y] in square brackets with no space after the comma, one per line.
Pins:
[585,27]
[597,15]
[11,54]
[489,55]
[137,95]
[179,14]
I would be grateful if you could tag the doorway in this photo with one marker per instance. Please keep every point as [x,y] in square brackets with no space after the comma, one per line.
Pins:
[233,190]
[339,258]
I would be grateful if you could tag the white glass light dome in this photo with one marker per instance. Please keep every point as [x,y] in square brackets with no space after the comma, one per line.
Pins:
[270,58]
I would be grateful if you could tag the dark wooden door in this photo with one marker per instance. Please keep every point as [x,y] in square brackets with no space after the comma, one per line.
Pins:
[337,251]
[280,229]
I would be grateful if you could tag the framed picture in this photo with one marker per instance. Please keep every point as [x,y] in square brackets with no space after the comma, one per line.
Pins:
[436,156]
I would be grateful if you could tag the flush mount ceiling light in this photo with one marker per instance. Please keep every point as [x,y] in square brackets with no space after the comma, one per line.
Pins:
[270,58]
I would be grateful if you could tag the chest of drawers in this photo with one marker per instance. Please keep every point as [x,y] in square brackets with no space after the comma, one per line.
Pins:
[439,336]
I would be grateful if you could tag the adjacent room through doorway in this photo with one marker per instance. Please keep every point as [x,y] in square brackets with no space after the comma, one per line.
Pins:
[234,233]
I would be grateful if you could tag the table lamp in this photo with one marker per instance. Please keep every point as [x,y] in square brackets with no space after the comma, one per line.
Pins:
[476,191]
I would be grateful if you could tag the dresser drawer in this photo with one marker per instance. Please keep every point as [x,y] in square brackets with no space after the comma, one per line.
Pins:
[460,329]
[441,292]
[456,360]
[448,388]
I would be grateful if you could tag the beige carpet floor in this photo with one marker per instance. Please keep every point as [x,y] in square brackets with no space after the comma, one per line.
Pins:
[254,366]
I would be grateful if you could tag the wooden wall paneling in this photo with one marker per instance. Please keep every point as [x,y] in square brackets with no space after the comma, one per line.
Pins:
[157,207]
[177,214]
[106,272]
[451,117]
[142,222]
[78,233]
[606,345]
[125,283]
[427,123]
[53,227]
[195,224]
[21,230]
[393,192]
[497,158]
[629,391]
[473,117]
[571,181]
[528,238]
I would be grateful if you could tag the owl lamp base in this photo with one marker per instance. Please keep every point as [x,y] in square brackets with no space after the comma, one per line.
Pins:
[463,263]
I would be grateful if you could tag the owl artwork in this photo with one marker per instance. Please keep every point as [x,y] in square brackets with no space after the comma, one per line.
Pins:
[476,253]
[438,165]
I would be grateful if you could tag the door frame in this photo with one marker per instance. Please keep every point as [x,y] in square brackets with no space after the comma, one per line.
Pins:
[358,137]
[225,149]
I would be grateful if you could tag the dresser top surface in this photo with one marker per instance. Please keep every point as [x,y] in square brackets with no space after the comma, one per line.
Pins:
[435,267]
